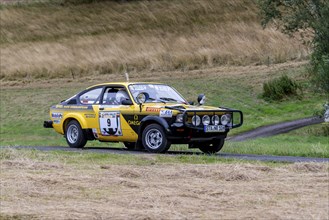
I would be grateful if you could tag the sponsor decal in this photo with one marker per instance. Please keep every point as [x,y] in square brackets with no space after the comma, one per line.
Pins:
[56,115]
[57,121]
[110,124]
[135,121]
[165,113]
[75,107]
[152,109]
[90,115]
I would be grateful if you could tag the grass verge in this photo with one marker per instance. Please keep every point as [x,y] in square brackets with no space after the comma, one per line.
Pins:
[24,108]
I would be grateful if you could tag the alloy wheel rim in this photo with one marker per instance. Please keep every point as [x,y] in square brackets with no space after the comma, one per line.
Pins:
[154,139]
[72,134]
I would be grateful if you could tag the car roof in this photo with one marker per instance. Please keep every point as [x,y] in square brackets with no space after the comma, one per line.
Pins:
[123,84]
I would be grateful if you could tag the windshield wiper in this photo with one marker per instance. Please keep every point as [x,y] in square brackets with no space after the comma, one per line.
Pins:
[169,99]
[157,100]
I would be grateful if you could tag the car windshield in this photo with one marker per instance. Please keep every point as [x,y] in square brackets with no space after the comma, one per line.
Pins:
[156,93]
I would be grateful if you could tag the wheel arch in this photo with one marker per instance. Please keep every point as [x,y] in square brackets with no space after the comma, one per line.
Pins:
[77,118]
[153,120]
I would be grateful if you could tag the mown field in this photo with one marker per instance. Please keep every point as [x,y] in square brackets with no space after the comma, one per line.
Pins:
[38,185]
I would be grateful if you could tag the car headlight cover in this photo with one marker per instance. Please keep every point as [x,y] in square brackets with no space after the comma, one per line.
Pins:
[179,118]
[196,120]
[215,120]
[206,120]
[225,119]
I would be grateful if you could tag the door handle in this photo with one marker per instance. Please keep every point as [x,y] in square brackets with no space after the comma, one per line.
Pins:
[101,108]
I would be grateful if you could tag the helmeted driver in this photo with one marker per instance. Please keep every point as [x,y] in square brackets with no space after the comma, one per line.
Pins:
[120,96]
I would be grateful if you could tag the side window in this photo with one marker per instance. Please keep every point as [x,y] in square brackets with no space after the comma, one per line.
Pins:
[90,97]
[114,96]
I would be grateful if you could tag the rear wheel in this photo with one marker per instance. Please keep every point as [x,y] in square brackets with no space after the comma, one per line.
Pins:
[212,147]
[74,135]
[154,139]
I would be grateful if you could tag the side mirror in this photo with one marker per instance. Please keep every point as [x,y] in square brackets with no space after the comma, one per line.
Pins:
[126,102]
[201,99]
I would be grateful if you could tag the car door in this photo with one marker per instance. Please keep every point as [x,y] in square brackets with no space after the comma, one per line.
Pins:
[112,125]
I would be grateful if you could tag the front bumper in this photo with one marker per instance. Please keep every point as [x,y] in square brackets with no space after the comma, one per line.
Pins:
[186,132]
[236,117]
[48,124]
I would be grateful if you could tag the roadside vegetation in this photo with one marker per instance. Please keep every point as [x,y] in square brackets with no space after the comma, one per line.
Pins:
[280,88]
[307,19]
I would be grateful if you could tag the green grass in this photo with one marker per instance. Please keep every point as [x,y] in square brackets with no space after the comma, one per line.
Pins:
[23,111]
[78,158]
[300,142]
[86,158]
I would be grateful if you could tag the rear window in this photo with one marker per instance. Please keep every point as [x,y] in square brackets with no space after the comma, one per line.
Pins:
[91,97]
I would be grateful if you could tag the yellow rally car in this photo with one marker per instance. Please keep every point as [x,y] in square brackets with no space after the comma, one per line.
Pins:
[142,115]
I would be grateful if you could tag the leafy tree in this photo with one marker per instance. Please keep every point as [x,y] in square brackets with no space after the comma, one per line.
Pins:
[310,18]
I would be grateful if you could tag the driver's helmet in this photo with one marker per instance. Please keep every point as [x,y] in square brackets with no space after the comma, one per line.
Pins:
[121,95]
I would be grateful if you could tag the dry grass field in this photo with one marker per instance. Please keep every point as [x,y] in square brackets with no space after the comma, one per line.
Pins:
[55,41]
[32,188]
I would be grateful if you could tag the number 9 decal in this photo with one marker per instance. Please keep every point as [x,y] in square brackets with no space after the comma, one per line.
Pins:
[110,124]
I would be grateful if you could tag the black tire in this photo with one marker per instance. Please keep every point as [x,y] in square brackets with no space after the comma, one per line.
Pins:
[129,145]
[154,139]
[212,147]
[74,135]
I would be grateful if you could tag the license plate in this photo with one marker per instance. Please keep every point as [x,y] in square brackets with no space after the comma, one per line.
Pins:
[214,128]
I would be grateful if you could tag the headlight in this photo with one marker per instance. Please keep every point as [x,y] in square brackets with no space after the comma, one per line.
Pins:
[215,120]
[225,119]
[179,118]
[206,120]
[196,120]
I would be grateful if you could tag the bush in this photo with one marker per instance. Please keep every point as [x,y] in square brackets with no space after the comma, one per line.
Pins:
[321,74]
[280,88]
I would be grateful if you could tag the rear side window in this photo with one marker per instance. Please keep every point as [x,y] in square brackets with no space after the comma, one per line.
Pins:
[91,97]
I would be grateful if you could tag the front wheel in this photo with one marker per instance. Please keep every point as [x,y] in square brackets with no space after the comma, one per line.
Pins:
[154,139]
[74,135]
[212,147]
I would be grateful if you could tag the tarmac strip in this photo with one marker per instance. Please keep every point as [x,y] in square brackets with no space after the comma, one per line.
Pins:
[251,157]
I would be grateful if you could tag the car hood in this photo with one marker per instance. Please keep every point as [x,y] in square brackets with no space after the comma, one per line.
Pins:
[178,107]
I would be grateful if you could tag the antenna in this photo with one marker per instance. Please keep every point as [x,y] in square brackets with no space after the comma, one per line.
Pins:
[127,77]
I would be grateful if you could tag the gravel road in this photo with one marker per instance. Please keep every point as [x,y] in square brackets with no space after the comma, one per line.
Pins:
[109,150]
